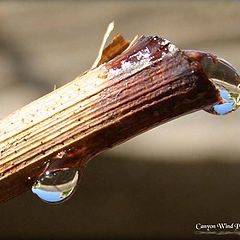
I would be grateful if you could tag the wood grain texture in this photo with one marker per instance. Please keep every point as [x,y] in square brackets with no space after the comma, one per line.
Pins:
[151,83]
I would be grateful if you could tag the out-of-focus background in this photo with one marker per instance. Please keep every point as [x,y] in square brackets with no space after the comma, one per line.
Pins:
[157,185]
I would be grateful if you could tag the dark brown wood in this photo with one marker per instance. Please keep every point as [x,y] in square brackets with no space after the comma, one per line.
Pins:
[149,84]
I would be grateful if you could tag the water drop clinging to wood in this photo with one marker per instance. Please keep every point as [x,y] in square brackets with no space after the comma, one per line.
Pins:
[130,91]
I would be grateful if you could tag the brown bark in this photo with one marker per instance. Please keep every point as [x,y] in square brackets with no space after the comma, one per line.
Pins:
[149,84]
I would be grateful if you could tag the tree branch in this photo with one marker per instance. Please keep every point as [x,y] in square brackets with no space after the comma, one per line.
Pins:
[147,85]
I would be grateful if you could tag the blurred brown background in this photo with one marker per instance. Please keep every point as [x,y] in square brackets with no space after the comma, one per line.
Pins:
[157,185]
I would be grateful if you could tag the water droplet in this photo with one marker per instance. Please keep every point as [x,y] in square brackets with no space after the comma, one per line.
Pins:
[225,78]
[227,81]
[56,186]
[60,177]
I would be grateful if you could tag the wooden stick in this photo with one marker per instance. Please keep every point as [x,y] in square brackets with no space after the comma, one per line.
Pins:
[147,85]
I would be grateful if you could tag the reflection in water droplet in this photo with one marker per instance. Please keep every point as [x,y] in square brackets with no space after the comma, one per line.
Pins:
[56,186]
[230,100]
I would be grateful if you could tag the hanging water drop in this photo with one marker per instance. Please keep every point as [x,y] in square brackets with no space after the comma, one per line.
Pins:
[225,78]
[59,180]
[56,186]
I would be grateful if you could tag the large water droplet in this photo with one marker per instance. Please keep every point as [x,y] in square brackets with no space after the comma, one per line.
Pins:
[56,186]
[225,78]
[59,180]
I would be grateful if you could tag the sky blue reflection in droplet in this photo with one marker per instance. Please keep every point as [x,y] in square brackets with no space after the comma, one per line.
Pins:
[54,187]
[48,196]
[225,107]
